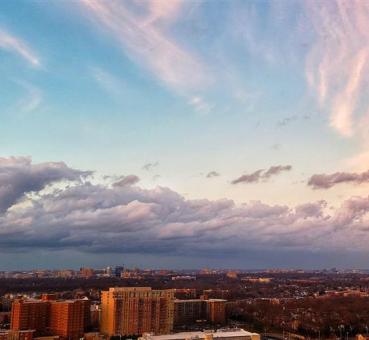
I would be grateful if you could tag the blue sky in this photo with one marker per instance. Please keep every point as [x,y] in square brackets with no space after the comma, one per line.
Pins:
[244,101]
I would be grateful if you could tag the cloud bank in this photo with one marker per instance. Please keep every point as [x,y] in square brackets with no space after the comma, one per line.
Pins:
[97,218]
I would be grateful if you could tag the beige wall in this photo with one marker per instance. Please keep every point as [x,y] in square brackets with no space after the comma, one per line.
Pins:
[136,310]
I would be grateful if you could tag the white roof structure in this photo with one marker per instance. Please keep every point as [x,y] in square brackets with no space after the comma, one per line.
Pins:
[227,334]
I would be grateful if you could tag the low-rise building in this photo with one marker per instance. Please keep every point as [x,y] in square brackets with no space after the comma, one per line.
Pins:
[16,335]
[226,334]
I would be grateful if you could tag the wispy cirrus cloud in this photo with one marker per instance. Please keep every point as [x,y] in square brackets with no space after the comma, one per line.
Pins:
[16,45]
[32,99]
[110,83]
[324,181]
[141,31]
[360,161]
[337,67]
[159,10]
[200,105]
[261,174]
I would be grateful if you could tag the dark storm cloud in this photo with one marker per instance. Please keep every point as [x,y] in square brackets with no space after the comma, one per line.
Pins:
[19,176]
[324,181]
[262,174]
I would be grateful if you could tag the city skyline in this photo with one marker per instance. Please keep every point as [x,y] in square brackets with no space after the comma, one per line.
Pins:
[184,134]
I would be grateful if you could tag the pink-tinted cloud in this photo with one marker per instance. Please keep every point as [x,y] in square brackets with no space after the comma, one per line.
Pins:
[143,35]
[323,181]
[129,219]
[127,181]
[337,67]
[16,45]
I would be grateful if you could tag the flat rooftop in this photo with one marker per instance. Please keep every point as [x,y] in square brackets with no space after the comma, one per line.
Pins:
[200,300]
[201,335]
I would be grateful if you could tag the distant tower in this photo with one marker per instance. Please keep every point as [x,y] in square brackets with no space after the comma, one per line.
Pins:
[109,271]
[118,271]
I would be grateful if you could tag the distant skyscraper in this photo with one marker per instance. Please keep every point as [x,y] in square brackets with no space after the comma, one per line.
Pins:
[118,271]
[86,272]
[136,310]
[109,271]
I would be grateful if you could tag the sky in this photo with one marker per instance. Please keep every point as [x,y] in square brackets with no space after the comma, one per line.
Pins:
[184,134]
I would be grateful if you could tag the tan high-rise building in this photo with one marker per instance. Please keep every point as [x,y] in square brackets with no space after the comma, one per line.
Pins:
[136,310]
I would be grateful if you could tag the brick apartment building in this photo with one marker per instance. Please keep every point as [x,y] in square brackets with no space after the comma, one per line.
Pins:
[67,319]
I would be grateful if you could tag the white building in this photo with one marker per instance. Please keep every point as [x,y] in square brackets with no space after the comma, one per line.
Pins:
[226,334]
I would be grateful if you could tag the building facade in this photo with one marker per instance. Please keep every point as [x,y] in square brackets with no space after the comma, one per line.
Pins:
[16,335]
[136,310]
[30,314]
[187,312]
[67,319]
[215,311]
